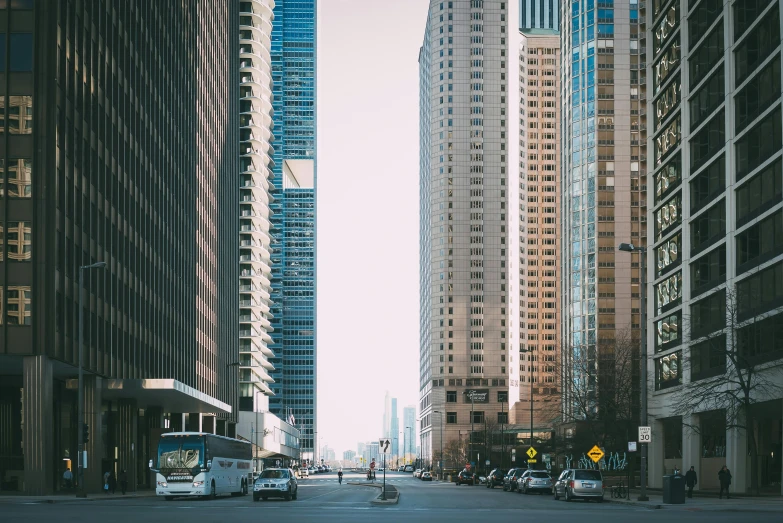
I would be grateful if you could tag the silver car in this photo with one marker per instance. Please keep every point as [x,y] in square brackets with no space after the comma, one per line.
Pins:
[580,483]
[535,481]
[276,483]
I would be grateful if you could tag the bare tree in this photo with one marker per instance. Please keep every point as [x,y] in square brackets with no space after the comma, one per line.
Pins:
[455,452]
[730,363]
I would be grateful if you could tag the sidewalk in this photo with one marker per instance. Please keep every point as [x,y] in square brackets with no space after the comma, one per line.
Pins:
[70,497]
[706,503]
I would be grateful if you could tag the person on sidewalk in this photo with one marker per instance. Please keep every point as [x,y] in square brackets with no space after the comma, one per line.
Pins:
[106,482]
[123,481]
[724,476]
[68,478]
[690,481]
[112,482]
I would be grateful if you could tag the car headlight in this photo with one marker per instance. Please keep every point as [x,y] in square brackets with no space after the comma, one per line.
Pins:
[198,483]
[162,484]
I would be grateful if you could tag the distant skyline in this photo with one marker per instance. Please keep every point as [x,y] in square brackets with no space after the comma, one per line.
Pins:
[368,283]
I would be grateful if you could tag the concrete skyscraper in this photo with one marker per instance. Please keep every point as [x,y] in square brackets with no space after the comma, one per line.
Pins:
[468,128]
[294,217]
[604,167]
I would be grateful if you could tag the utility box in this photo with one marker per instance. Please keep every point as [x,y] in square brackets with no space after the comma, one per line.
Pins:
[674,489]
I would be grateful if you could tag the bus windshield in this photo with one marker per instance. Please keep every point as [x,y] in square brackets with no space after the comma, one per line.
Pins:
[181,452]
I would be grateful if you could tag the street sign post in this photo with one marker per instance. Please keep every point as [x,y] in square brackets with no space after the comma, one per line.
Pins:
[596,454]
[645,434]
[384,447]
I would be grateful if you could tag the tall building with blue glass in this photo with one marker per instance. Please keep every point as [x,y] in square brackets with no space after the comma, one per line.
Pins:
[293,217]
[539,14]
[603,186]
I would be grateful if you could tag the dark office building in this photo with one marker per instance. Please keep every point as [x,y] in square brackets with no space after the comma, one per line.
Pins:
[118,144]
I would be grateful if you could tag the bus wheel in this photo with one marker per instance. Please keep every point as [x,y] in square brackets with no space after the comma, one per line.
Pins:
[212,493]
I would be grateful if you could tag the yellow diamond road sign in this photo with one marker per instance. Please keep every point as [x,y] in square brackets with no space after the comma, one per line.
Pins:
[531,453]
[596,454]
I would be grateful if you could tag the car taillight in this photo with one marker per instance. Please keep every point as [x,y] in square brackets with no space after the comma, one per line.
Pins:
[571,483]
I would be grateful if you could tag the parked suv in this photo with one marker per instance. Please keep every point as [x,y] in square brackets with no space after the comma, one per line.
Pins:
[495,478]
[535,481]
[466,478]
[510,481]
[580,483]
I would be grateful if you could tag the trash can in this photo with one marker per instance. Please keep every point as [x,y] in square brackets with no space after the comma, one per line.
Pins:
[674,489]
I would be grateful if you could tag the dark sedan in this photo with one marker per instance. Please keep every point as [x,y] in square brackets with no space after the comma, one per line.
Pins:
[511,480]
[495,478]
[466,478]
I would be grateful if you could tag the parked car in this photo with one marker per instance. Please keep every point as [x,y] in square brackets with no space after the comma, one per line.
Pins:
[417,473]
[466,478]
[580,483]
[426,476]
[408,468]
[535,481]
[495,478]
[276,483]
[510,480]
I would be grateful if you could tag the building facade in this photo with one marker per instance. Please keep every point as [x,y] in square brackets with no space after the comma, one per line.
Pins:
[539,224]
[539,14]
[465,66]
[408,430]
[106,159]
[604,164]
[293,222]
[715,271]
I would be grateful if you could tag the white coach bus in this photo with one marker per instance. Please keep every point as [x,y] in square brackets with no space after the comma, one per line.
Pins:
[201,464]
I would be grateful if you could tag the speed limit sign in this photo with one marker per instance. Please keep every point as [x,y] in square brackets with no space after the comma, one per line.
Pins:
[645,434]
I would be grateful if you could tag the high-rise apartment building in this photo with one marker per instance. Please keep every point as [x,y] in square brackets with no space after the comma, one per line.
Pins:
[539,222]
[107,157]
[293,217]
[604,162]
[715,269]
[466,109]
[539,14]
[408,430]
[255,32]
[394,428]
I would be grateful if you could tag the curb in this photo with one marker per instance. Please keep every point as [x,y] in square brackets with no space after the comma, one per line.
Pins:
[651,506]
[55,500]
[380,501]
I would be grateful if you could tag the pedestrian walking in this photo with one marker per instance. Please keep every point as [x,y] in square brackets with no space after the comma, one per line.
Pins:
[123,481]
[112,482]
[68,478]
[690,481]
[106,482]
[724,476]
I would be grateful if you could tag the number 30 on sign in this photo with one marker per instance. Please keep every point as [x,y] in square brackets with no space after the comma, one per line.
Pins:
[645,434]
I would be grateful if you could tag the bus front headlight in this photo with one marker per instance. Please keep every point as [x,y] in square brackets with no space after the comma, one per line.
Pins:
[162,484]
[198,483]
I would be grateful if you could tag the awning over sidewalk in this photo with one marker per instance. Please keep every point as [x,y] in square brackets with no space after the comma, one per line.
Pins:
[170,395]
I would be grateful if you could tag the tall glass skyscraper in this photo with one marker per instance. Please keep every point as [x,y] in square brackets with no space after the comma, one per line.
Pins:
[293,217]
[603,182]
[539,14]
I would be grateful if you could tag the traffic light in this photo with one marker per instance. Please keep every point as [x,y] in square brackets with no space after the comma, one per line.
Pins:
[85,433]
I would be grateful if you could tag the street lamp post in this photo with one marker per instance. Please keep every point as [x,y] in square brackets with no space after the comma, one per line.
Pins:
[472,410]
[630,247]
[408,439]
[502,434]
[80,413]
[530,377]
[441,442]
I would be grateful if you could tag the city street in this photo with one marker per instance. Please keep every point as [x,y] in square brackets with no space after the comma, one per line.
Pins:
[321,498]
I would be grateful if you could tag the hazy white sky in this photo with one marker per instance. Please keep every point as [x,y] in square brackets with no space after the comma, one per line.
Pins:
[368,194]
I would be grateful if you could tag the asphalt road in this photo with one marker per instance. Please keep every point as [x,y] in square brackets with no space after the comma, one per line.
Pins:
[322,499]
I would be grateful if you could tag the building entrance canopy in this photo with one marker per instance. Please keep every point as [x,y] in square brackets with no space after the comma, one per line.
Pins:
[167,394]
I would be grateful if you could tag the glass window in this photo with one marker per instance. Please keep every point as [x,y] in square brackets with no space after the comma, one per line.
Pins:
[20,178]
[708,227]
[745,13]
[668,216]
[668,254]
[708,141]
[2,177]
[706,55]
[760,193]
[668,177]
[20,241]
[502,417]
[701,19]
[762,40]
[451,417]
[451,396]
[666,27]
[708,358]
[478,416]
[667,102]
[2,114]
[707,99]
[668,293]
[762,340]
[667,371]
[757,95]
[666,65]
[760,242]
[667,331]
[708,184]
[21,45]
[666,142]
[708,315]
[708,271]
[761,292]
[18,307]
[20,114]
[502,396]
[759,143]
[2,53]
